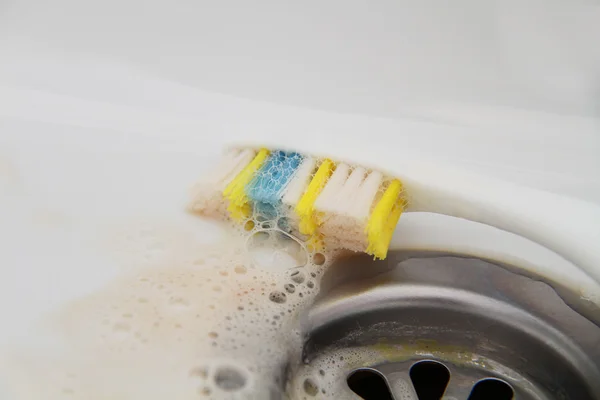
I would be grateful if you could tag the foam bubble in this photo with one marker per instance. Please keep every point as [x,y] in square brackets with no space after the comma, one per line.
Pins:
[310,387]
[290,288]
[277,297]
[297,275]
[319,259]
[230,378]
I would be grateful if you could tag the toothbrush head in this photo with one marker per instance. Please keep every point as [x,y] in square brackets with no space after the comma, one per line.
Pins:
[325,203]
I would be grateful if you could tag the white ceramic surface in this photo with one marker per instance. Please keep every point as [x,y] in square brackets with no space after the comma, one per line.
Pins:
[110,111]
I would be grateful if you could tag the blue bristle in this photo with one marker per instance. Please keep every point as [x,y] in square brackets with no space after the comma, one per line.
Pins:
[272,178]
[266,210]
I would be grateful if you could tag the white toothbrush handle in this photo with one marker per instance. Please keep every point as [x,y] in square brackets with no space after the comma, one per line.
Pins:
[567,226]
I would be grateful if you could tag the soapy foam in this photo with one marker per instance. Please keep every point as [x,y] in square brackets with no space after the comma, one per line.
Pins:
[219,323]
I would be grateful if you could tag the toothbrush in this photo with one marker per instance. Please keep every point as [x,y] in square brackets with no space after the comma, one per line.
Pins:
[349,205]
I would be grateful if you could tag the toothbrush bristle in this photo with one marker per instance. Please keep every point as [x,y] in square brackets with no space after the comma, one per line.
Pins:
[299,182]
[324,202]
[207,196]
[383,220]
[273,177]
[235,191]
[305,207]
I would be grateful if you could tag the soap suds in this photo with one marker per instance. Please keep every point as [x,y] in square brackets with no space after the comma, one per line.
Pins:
[215,322]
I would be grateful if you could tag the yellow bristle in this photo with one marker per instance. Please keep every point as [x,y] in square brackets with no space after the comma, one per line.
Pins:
[239,208]
[305,207]
[315,243]
[383,220]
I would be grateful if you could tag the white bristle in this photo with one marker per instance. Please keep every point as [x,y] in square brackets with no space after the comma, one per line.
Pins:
[207,198]
[300,181]
[347,195]
[345,206]
[366,194]
[326,201]
[230,164]
[225,166]
[236,165]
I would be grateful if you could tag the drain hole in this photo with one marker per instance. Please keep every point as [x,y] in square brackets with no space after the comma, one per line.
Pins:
[369,384]
[429,379]
[491,389]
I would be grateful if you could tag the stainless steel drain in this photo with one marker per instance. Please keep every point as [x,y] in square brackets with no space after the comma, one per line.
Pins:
[454,329]
[430,380]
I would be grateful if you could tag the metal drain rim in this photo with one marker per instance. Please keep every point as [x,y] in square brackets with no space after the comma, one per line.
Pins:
[406,290]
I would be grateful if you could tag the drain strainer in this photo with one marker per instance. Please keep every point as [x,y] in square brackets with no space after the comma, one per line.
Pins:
[450,328]
[429,380]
